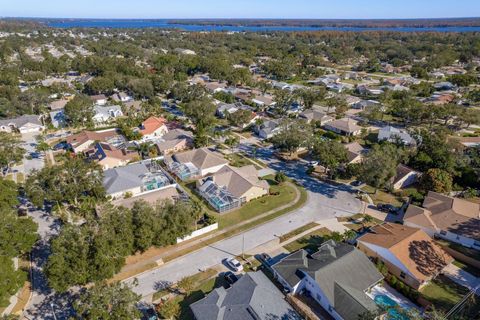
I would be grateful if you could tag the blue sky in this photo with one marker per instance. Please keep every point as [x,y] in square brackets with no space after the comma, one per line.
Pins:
[321,9]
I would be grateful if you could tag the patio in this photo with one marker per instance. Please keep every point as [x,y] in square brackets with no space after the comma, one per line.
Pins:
[384,290]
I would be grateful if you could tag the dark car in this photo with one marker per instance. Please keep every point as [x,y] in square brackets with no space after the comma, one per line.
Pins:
[230,277]
[356,183]
[385,207]
[60,146]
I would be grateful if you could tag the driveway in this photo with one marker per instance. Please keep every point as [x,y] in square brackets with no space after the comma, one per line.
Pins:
[462,277]
[325,202]
[28,165]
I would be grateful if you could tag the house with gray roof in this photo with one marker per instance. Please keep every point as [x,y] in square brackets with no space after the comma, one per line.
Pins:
[337,276]
[252,297]
[392,134]
[268,129]
[58,119]
[23,124]
[107,113]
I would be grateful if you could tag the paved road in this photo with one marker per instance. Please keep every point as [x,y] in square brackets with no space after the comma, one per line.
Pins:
[324,202]
[28,165]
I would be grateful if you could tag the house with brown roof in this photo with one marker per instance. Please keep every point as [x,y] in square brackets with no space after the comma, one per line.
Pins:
[345,126]
[108,156]
[175,141]
[355,152]
[449,218]
[82,141]
[468,142]
[99,100]
[153,127]
[408,253]
[317,116]
[231,187]
[405,177]
[195,163]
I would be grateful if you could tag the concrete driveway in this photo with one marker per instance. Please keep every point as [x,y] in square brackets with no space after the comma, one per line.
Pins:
[28,165]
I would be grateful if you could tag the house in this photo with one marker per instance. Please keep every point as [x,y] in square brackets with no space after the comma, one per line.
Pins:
[316,116]
[408,253]
[99,100]
[369,91]
[215,87]
[82,141]
[337,276]
[230,187]
[345,126]
[174,141]
[121,97]
[395,135]
[469,142]
[108,156]
[104,114]
[133,180]
[355,152]
[365,104]
[444,86]
[58,119]
[225,109]
[22,124]
[263,101]
[449,218]
[153,128]
[405,177]
[58,104]
[268,129]
[194,163]
[252,297]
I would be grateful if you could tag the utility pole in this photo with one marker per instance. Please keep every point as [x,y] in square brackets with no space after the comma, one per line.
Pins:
[53,310]
[243,246]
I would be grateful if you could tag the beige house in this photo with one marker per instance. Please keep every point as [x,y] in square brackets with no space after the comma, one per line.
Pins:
[107,156]
[405,177]
[82,141]
[449,218]
[195,163]
[231,187]
[355,152]
[408,253]
[345,126]
[175,141]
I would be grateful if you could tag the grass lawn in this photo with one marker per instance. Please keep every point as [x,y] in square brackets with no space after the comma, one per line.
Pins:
[309,242]
[357,226]
[238,160]
[443,293]
[286,195]
[472,253]
[381,196]
[297,231]
[467,268]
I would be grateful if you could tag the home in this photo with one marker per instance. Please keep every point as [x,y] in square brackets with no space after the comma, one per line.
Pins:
[453,219]
[174,141]
[263,101]
[440,98]
[268,129]
[121,97]
[58,119]
[345,126]
[279,85]
[194,163]
[22,124]
[58,104]
[82,141]
[225,109]
[369,91]
[252,297]
[365,104]
[408,253]
[404,177]
[106,114]
[133,180]
[337,276]
[396,135]
[108,156]
[468,142]
[99,100]
[316,116]
[355,152]
[230,187]
[215,87]
[336,87]
[444,86]
[185,51]
[153,128]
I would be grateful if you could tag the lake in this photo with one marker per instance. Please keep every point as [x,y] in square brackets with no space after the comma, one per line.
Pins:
[164,24]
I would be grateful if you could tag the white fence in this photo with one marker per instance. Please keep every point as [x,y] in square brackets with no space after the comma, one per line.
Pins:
[198,232]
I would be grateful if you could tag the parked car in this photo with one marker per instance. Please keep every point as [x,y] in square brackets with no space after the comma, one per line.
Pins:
[234,264]
[230,277]
[356,183]
[60,146]
[388,208]
[313,163]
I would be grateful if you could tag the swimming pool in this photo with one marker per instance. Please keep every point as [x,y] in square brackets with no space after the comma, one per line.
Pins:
[391,306]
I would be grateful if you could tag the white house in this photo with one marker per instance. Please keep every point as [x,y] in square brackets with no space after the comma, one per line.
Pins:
[405,177]
[22,124]
[392,134]
[106,113]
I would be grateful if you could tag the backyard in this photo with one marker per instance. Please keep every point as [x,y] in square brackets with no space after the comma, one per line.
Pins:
[443,293]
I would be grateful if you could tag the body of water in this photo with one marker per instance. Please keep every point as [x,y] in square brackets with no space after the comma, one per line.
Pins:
[163,24]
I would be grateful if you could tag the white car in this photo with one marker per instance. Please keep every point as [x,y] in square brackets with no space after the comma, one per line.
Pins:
[313,163]
[234,264]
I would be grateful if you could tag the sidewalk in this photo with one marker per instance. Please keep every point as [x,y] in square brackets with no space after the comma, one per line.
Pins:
[194,242]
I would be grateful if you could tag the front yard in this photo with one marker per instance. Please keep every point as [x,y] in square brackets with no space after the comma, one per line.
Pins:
[310,242]
[382,196]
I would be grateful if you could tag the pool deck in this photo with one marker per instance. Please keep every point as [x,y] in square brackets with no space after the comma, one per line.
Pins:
[385,289]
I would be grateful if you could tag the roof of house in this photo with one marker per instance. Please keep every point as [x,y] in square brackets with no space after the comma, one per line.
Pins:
[467,141]
[200,158]
[105,150]
[391,133]
[345,125]
[22,120]
[82,137]
[354,150]
[253,297]
[239,180]
[124,178]
[98,97]
[442,212]
[402,172]
[107,111]
[315,115]
[152,124]
[342,271]
[411,246]
[58,104]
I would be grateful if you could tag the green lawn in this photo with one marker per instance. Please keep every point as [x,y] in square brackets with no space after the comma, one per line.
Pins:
[309,242]
[239,160]
[443,293]
[286,194]
[382,196]
[297,231]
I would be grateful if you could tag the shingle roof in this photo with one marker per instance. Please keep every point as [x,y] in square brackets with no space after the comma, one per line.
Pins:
[345,125]
[22,120]
[200,158]
[335,266]
[124,178]
[239,180]
[253,296]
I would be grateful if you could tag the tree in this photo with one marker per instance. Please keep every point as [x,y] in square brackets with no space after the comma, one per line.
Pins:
[240,117]
[79,111]
[169,309]
[379,166]
[309,97]
[283,100]
[42,145]
[202,114]
[186,284]
[108,302]
[8,194]
[437,180]
[330,154]
[10,279]
[232,142]
[292,135]
[17,234]
[10,151]
[349,235]
[280,177]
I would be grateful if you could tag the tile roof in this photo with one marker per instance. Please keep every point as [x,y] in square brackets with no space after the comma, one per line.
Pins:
[152,124]
[124,178]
